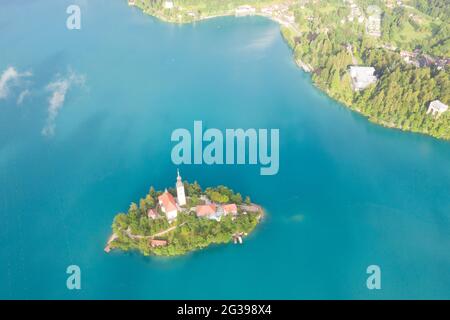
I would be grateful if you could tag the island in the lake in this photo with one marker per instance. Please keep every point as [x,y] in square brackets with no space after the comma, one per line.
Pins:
[184,219]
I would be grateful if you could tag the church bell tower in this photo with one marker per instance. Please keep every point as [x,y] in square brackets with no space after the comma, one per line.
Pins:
[181,197]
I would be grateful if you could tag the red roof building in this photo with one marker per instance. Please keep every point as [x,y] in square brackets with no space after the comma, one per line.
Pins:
[230,208]
[158,243]
[205,210]
[168,205]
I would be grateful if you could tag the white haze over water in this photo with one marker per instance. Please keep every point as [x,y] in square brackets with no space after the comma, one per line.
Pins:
[10,77]
[22,96]
[59,89]
[264,41]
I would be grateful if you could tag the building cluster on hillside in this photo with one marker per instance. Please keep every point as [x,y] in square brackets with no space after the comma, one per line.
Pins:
[356,13]
[362,77]
[280,13]
[393,3]
[420,60]
[410,57]
[373,20]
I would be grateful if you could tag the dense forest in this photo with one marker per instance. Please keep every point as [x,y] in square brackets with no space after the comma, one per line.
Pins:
[403,92]
[434,8]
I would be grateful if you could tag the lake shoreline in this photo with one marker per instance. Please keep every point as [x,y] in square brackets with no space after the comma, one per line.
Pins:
[299,62]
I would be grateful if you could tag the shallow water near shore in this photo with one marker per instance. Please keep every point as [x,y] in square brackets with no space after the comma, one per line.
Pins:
[348,194]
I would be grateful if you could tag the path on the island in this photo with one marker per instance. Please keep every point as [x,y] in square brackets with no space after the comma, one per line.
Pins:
[168,230]
[134,236]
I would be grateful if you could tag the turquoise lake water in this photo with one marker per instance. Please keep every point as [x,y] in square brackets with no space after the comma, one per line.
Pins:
[348,194]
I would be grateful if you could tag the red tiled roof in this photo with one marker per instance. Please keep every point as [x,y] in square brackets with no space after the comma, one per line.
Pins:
[158,243]
[205,210]
[151,213]
[167,201]
[229,208]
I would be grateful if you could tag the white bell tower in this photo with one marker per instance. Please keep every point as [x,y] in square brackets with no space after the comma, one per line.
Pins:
[181,197]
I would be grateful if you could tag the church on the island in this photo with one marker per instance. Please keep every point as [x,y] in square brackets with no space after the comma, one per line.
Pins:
[167,202]
[170,205]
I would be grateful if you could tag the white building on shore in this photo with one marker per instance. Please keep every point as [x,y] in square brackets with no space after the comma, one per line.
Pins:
[168,5]
[244,10]
[436,107]
[362,77]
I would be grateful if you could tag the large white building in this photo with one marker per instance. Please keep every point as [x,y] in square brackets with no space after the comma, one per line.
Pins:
[373,25]
[362,77]
[168,5]
[437,107]
[168,205]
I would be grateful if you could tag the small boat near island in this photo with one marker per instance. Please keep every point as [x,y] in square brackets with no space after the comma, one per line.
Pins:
[237,237]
